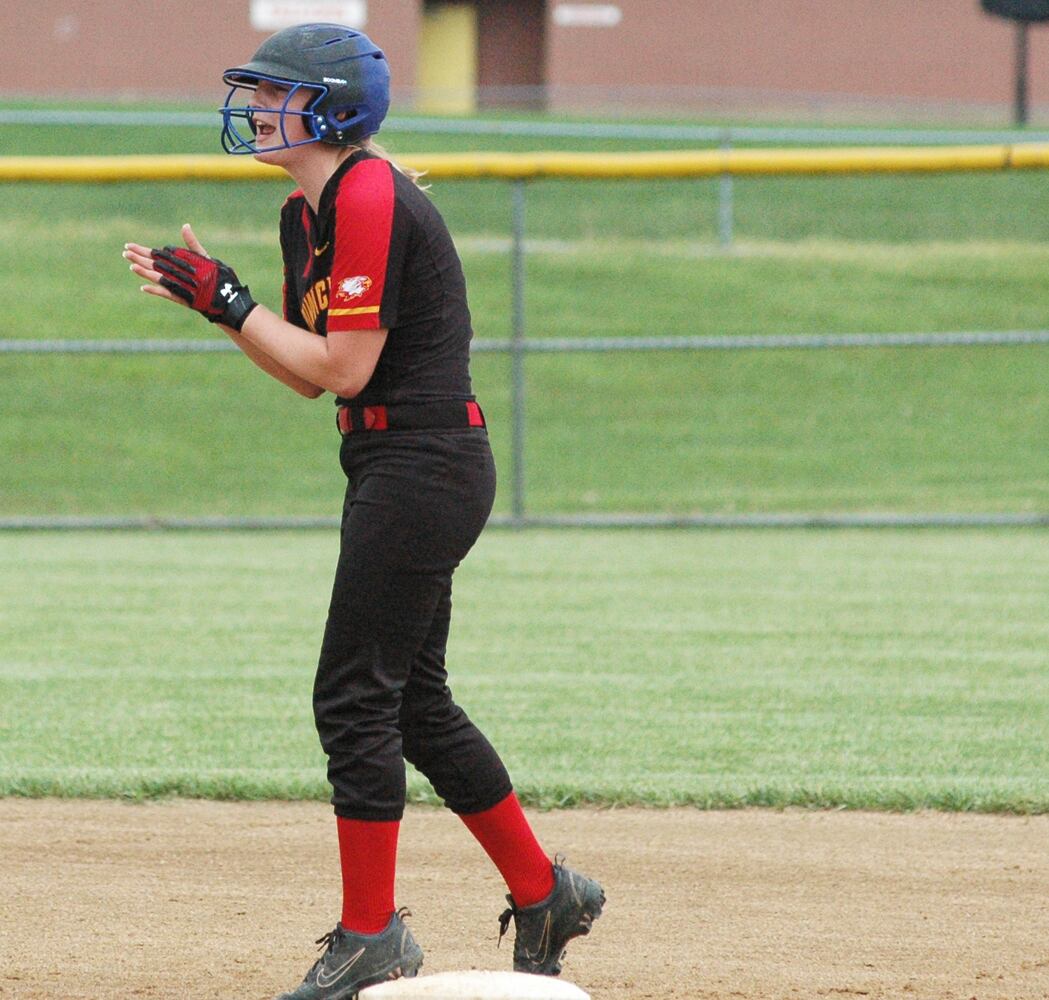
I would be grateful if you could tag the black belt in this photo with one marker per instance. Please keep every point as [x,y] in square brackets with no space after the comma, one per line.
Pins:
[410,416]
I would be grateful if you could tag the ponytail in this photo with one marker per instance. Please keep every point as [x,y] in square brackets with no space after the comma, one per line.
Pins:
[369,145]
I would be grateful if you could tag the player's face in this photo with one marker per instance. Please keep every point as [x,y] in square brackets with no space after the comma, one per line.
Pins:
[268,123]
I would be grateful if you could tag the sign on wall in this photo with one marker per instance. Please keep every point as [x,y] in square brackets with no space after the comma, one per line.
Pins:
[587,15]
[272,15]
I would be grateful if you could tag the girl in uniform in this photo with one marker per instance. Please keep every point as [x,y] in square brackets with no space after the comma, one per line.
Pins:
[375,312]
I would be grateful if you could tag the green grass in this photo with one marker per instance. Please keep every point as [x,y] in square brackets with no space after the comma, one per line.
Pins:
[896,670]
[891,670]
[959,430]
[791,431]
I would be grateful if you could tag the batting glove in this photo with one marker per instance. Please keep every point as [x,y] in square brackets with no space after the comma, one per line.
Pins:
[204,284]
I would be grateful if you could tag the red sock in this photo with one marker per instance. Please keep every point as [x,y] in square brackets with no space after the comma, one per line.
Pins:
[368,852]
[504,833]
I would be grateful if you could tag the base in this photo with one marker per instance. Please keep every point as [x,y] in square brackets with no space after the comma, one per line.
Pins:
[476,986]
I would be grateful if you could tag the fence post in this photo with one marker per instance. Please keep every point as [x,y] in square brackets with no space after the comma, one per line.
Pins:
[725,198]
[1020,95]
[517,352]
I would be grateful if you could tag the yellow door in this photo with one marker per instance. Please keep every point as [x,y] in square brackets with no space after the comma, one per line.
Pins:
[448,59]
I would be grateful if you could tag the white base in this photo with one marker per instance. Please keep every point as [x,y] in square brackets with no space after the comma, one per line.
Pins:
[476,986]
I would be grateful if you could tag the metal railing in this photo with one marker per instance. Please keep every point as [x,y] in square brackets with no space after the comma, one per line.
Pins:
[519,170]
[627,131]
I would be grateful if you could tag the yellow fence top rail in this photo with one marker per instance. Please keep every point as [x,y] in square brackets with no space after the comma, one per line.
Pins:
[532,166]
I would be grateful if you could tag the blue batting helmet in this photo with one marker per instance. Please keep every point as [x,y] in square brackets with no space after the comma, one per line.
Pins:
[345,71]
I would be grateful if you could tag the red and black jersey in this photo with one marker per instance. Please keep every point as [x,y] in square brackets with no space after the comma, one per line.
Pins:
[377,255]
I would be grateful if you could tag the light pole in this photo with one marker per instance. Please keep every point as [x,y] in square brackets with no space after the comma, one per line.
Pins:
[1020,102]
[1024,13]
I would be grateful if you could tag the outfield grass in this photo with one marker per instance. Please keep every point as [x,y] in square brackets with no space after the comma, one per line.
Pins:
[894,670]
[791,432]
[958,430]
[882,670]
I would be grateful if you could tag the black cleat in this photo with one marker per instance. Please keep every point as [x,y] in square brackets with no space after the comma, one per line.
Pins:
[543,929]
[352,961]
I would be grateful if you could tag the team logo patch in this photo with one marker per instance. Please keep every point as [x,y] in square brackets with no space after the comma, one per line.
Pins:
[354,288]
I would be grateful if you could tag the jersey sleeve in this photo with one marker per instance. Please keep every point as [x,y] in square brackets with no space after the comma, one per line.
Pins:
[289,219]
[369,251]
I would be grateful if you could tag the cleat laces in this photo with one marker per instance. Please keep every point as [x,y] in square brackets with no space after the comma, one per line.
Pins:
[329,941]
[504,919]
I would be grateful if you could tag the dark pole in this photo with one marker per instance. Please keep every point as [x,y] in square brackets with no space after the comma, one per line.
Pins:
[1020,114]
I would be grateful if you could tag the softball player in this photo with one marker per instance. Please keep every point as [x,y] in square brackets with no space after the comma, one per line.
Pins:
[375,312]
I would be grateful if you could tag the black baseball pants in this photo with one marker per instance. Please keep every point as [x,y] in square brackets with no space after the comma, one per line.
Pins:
[415,504]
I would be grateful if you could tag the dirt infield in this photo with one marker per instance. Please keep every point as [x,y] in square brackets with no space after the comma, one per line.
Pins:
[196,899]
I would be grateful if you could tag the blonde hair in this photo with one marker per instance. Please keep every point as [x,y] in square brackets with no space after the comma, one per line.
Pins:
[369,145]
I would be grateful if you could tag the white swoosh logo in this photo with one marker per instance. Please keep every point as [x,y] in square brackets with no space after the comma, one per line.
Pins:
[324,980]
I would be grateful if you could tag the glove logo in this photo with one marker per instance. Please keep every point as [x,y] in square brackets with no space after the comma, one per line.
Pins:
[227,292]
[354,288]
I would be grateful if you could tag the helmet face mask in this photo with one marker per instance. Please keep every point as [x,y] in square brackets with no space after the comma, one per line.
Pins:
[343,69]
[242,140]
